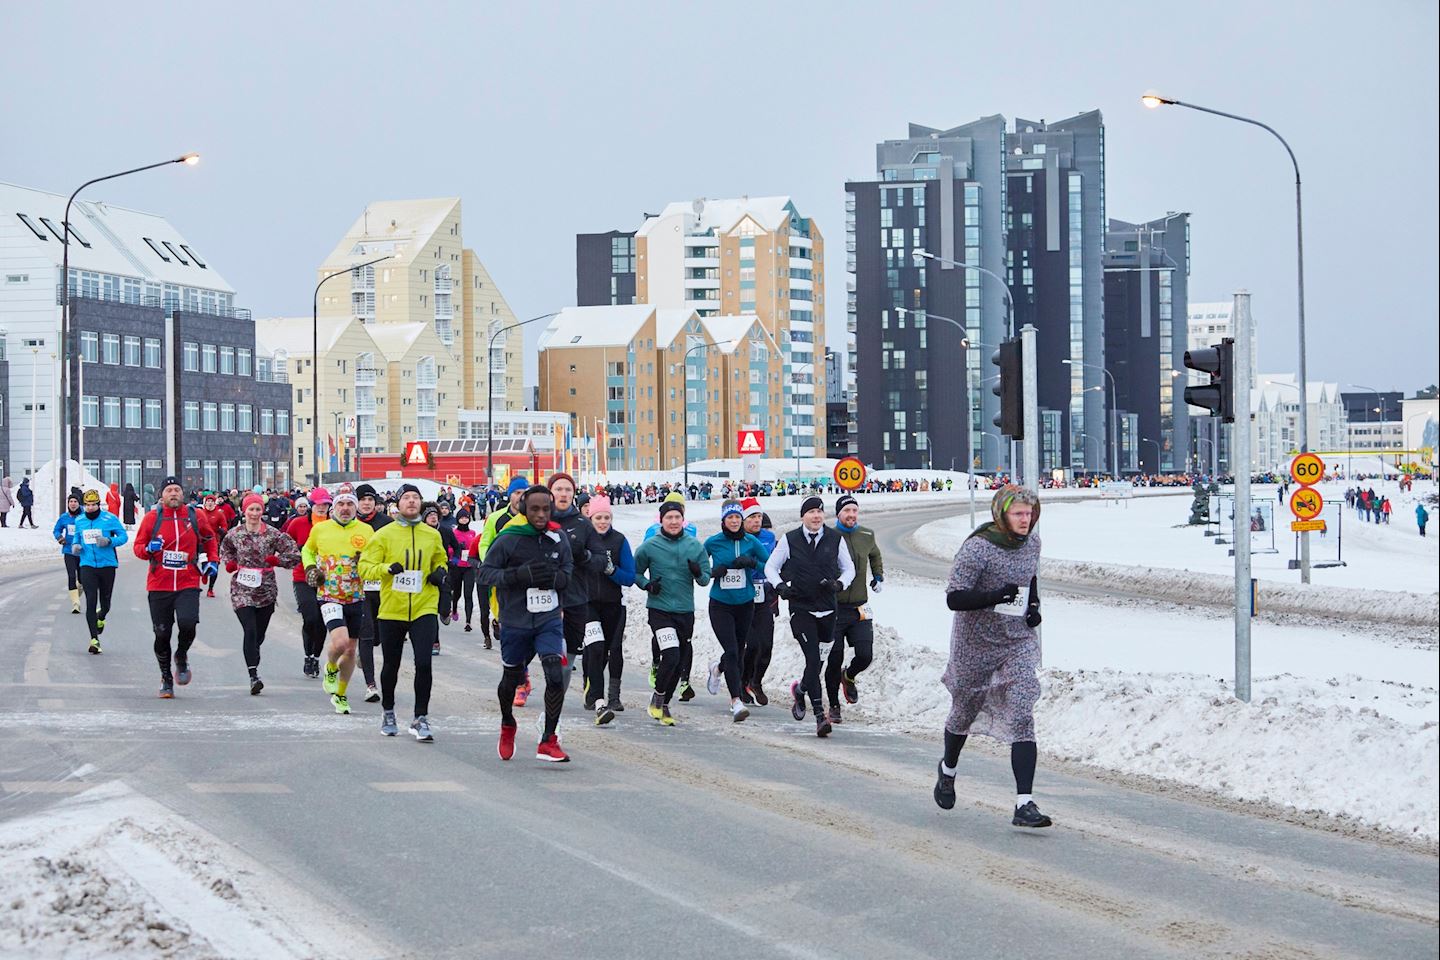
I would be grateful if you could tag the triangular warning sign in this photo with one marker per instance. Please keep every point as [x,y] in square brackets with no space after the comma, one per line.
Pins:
[750,444]
[417,456]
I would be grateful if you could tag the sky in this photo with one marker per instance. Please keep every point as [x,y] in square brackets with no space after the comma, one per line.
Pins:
[555,119]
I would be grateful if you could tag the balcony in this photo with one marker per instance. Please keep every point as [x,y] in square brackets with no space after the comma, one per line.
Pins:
[444,285]
[366,376]
[426,408]
[425,379]
[364,406]
[701,262]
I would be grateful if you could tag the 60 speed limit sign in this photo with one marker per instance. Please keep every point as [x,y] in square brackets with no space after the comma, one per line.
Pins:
[1307,469]
[849,473]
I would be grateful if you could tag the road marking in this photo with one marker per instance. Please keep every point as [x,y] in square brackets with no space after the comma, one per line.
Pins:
[238,787]
[37,663]
[44,786]
[417,786]
[50,703]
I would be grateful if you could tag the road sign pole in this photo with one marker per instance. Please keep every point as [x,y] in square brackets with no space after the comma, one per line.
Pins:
[1240,445]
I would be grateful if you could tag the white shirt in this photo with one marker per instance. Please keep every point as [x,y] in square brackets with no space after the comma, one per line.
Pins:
[781,553]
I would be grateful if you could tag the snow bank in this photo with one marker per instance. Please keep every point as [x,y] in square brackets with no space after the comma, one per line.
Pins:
[43,483]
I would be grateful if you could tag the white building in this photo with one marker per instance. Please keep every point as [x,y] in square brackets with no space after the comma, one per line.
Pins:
[1420,423]
[1275,427]
[1209,323]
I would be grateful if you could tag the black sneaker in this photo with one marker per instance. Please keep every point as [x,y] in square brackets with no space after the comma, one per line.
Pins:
[944,788]
[758,692]
[835,717]
[1028,816]
[687,692]
[822,724]
[256,685]
[182,671]
[746,698]
[797,709]
[852,692]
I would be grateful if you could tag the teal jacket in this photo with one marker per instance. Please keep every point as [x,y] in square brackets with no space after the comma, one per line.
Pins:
[723,551]
[667,561]
[105,525]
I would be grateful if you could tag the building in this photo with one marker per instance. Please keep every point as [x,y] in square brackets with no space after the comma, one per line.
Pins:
[166,368]
[4,418]
[1147,269]
[752,256]
[1275,424]
[604,268]
[1421,426]
[839,429]
[1376,405]
[942,191]
[658,386]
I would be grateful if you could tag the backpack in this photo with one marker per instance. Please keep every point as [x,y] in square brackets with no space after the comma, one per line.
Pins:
[194,525]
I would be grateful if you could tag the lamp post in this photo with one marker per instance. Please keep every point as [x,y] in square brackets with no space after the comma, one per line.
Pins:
[65,411]
[965,343]
[685,362]
[490,389]
[1153,100]
[1157,454]
[1098,451]
[919,254]
[315,359]
[1114,412]
[1199,440]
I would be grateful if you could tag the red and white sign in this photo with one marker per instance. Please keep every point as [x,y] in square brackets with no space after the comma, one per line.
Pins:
[417,454]
[750,442]
[849,473]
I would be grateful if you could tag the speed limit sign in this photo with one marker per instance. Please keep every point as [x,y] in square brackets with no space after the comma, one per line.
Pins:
[849,473]
[1307,470]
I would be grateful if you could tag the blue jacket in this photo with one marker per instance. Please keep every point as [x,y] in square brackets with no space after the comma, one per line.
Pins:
[722,551]
[65,527]
[107,525]
[767,540]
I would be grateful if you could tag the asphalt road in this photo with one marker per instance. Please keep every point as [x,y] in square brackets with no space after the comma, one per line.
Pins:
[706,840]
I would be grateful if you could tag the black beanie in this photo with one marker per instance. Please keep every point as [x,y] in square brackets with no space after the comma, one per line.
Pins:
[408,488]
[845,501]
[669,505]
[365,490]
[811,503]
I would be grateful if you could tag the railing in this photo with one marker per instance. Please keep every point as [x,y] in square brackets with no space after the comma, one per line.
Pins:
[424,381]
[426,409]
[365,376]
[168,303]
[365,408]
[444,284]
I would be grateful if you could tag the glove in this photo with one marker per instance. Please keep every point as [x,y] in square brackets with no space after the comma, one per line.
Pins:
[313,576]
[1005,594]
[584,555]
[653,587]
[694,566]
[542,575]
[102,541]
[273,561]
[785,590]
[834,586]
[746,562]
[516,576]
[154,546]
[231,566]
[609,564]
[211,569]
[719,570]
[438,576]
[875,583]
[396,567]
[1032,617]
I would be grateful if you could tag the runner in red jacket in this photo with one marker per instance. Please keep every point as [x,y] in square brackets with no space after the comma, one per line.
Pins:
[308,512]
[176,547]
[214,513]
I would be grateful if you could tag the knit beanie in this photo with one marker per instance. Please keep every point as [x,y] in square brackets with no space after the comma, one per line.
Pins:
[670,505]
[845,501]
[811,503]
[600,504]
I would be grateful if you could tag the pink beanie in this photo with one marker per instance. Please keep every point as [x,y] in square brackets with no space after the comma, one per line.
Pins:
[319,495]
[600,504]
[249,499]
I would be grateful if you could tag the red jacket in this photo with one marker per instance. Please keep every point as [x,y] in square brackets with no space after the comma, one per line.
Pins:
[218,522]
[178,540]
[298,529]
[112,499]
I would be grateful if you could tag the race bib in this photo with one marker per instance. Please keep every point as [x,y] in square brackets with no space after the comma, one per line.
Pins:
[408,581]
[541,601]
[759,593]
[593,633]
[330,612]
[248,577]
[174,559]
[865,613]
[1015,608]
[825,650]
[667,638]
[733,580]
[90,536]
[70,530]
[372,585]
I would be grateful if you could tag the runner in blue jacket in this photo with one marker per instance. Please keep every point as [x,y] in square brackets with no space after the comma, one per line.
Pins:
[734,557]
[97,534]
[64,534]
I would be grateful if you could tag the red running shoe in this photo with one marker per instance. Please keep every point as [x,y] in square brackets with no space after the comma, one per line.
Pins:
[522,693]
[549,751]
[506,748]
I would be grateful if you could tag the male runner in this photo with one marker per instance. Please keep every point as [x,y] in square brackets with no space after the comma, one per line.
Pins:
[373,517]
[853,620]
[97,534]
[64,534]
[332,566]
[308,512]
[668,567]
[210,510]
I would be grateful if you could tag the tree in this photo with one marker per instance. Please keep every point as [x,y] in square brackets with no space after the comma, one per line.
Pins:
[1429,393]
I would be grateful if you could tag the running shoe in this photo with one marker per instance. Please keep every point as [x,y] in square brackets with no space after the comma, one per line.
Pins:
[549,751]
[603,713]
[468,628]
[210,592]
[653,671]
[256,685]
[687,692]
[435,650]
[665,718]
[420,730]
[99,625]
[182,671]
[95,645]
[311,669]
[758,692]
[852,692]
[372,695]
[712,679]
[746,697]
[797,710]
[506,749]
[655,707]
[522,693]
[388,727]
[332,679]
[822,724]
[444,621]
[340,702]
[738,711]
[167,690]
[487,643]
[835,714]
[944,788]
[1029,816]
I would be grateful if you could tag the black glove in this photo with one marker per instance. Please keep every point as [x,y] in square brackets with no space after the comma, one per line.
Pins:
[836,586]
[745,562]
[719,570]
[516,576]
[785,590]
[1032,617]
[1005,594]
[694,566]
[584,556]
[542,575]
[439,576]
[396,567]
[653,587]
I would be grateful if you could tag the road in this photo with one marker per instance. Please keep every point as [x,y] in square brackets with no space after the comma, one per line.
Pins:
[706,840]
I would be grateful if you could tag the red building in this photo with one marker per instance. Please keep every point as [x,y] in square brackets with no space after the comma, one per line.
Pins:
[463,462]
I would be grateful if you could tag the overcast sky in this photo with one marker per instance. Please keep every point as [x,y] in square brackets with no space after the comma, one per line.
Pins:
[579,117]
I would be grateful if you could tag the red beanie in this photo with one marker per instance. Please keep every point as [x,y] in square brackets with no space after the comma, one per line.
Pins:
[563,476]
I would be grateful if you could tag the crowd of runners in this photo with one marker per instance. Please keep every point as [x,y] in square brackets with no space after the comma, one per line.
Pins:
[547,572]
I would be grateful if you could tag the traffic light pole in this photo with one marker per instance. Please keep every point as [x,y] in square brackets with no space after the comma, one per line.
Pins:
[1240,458]
[1031,396]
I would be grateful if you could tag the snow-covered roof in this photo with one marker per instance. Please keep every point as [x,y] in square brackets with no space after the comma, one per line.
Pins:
[107,239]
[1273,389]
[295,335]
[600,326]
[730,331]
[396,227]
[702,216]
[669,322]
[395,339]
[1219,310]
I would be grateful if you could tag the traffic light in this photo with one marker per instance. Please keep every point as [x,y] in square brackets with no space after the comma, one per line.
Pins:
[1010,389]
[1217,396]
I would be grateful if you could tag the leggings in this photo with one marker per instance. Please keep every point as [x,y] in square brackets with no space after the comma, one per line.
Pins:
[72,571]
[812,633]
[312,628]
[253,623]
[759,645]
[731,623]
[367,644]
[210,578]
[423,632]
[606,653]
[1023,754]
[861,635]
[97,582]
[672,661]
[177,610]
[462,580]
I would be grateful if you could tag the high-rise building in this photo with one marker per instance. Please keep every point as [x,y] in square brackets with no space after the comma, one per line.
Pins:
[838,426]
[604,268]
[942,191]
[656,385]
[1147,269]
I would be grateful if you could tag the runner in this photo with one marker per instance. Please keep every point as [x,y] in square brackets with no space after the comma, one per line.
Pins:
[332,566]
[604,648]
[668,567]
[173,538]
[687,652]
[433,515]
[493,525]
[97,534]
[993,650]
[528,564]
[733,555]
[767,605]
[853,621]
[809,567]
[374,518]
[408,558]
[251,551]
[463,569]
[210,510]
[308,512]
[575,598]
[64,534]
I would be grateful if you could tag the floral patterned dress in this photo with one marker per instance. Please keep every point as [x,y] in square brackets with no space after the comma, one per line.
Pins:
[253,585]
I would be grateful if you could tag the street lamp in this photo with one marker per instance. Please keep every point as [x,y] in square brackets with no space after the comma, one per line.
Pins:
[1114,412]
[1152,100]
[490,387]
[685,363]
[919,254]
[965,343]
[1157,454]
[65,411]
[315,359]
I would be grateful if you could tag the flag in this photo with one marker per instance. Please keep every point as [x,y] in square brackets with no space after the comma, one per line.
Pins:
[569,462]
[602,455]
[334,458]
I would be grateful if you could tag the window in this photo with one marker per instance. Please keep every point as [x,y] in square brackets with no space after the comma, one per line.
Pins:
[158,252]
[90,411]
[131,352]
[33,229]
[227,417]
[267,422]
[192,415]
[132,413]
[190,352]
[207,358]
[152,353]
[245,475]
[175,254]
[198,262]
[110,348]
[227,474]
[111,410]
[282,422]
[227,360]
[210,417]
[212,473]
[89,346]
[152,414]
[245,418]
[244,364]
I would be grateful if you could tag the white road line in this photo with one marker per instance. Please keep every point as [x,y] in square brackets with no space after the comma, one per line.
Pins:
[417,786]
[37,663]
[238,787]
[44,786]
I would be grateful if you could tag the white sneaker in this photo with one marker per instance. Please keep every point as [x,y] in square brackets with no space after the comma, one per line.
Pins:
[712,682]
[738,711]
[372,694]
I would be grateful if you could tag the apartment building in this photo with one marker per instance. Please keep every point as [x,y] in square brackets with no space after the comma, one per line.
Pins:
[664,384]
[1275,423]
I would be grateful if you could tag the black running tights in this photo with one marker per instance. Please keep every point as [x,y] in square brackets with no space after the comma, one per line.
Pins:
[253,623]
[1023,755]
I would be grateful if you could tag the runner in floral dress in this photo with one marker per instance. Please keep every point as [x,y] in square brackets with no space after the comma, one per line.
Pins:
[251,551]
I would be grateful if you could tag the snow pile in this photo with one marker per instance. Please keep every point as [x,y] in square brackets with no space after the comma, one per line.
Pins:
[20,546]
[43,483]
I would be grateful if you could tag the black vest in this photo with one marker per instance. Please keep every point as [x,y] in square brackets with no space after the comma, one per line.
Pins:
[805,568]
